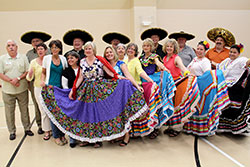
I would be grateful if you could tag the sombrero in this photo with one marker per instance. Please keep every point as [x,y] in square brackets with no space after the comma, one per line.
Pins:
[69,36]
[28,36]
[221,32]
[182,34]
[154,31]
[114,35]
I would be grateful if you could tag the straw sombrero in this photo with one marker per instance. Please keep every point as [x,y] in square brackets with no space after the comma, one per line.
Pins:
[28,36]
[181,34]
[221,32]
[154,31]
[114,35]
[69,36]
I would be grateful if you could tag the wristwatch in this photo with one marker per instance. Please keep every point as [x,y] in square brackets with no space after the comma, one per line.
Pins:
[18,78]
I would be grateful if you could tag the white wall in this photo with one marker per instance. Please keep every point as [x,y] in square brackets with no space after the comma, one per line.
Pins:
[56,23]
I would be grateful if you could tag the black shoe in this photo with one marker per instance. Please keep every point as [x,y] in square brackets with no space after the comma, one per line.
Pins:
[12,136]
[40,131]
[29,133]
[72,145]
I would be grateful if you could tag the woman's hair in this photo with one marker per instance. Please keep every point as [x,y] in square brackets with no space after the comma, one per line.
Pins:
[121,45]
[136,48]
[74,54]
[173,42]
[150,42]
[89,43]
[205,44]
[42,45]
[113,50]
[58,44]
[239,47]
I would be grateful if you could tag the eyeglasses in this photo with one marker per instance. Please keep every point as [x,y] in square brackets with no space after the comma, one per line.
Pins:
[131,49]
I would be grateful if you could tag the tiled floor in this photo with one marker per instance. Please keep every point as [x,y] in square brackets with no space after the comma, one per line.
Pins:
[163,151]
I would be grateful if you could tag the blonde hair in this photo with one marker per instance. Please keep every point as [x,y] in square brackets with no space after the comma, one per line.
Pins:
[150,42]
[114,52]
[92,45]
[173,42]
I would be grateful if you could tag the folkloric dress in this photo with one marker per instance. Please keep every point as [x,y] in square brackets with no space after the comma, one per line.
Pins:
[165,108]
[214,98]
[186,96]
[103,109]
[236,118]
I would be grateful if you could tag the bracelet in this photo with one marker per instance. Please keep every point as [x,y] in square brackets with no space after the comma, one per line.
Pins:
[186,73]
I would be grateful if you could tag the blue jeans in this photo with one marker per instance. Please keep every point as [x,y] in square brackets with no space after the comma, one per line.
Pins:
[55,131]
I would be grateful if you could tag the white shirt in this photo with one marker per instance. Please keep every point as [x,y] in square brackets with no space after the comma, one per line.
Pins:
[232,69]
[199,66]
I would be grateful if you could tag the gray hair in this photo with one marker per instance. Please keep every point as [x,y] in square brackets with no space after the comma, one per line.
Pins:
[10,40]
[121,45]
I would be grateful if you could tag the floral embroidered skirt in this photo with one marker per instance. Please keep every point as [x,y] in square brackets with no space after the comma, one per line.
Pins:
[160,104]
[236,118]
[214,98]
[103,109]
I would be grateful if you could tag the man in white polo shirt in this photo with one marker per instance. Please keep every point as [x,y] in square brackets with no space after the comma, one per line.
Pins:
[13,71]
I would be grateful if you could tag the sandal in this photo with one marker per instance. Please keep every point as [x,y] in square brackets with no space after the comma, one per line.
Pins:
[46,136]
[154,134]
[84,144]
[98,145]
[59,142]
[123,143]
[171,132]
[64,140]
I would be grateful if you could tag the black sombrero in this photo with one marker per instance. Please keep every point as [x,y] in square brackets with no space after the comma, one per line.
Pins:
[69,36]
[154,31]
[221,32]
[181,34]
[28,36]
[114,35]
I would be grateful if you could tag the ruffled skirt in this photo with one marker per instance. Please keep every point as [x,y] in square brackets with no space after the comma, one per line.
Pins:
[236,118]
[103,109]
[214,98]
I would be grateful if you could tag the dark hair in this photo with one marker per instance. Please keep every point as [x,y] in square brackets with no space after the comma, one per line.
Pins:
[74,54]
[136,48]
[57,43]
[236,47]
[205,44]
[42,45]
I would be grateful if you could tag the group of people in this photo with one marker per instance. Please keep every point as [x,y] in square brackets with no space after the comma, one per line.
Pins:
[125,93]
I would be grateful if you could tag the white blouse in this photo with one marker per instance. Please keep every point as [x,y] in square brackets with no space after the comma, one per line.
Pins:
[199,66]
[232,69]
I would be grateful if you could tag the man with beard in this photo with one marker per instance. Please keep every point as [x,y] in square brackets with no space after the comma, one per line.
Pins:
[77,38]
[156,34]
[222,38]
[186,53]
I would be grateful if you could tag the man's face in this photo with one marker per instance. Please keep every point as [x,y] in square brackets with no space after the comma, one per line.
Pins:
[11,48]
[77,43]
[219,42]
[155,39]
[181,41]
[35,42]
[115,42]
